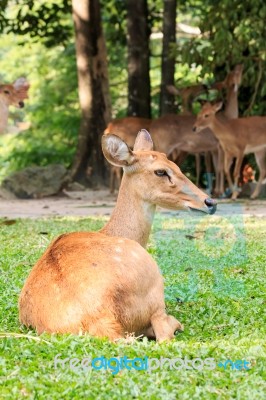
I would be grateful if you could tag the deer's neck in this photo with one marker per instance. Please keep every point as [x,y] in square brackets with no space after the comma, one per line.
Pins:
[231,108]
[220,128]
[3,115]
[132,217]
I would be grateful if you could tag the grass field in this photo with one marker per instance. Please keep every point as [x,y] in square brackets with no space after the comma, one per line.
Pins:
[214,271]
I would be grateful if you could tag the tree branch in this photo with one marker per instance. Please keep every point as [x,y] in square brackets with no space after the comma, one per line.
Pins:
[252,101]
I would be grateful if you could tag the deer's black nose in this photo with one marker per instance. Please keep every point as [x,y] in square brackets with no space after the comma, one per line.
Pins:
[21,104]
[211,204]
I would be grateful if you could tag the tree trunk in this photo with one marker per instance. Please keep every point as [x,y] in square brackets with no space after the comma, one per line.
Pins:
[93,91]
[167,100]
[138,59]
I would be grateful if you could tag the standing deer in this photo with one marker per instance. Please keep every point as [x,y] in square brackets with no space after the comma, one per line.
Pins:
[231,86]
[175,131]
[187,95]
[126,128]
[237,137]
[12,95]
[105,283]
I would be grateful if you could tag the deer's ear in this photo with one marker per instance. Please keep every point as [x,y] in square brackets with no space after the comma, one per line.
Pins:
[116,151]
[202,102]
[218,85]
[172,90]
[218,106]
[143,141]
[21,83]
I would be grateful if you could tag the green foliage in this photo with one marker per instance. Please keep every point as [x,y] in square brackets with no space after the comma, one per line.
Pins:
[43,51]
[49,22]
[52,108]
[114,20]
[233,32]
[223,318]
[114,24]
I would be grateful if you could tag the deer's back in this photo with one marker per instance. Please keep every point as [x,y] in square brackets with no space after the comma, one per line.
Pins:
[170,130]
[127,128]
[84,272]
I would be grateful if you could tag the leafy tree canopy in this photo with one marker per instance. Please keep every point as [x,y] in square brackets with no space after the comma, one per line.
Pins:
[232,32]
[49,21]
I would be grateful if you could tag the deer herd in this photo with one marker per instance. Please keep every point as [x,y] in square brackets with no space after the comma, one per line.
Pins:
[105,283]
[220,137]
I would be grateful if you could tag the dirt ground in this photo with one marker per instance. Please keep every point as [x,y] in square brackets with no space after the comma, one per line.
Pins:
[101,202]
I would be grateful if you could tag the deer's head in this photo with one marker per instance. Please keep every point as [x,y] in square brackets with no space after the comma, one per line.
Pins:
[154,178]
[205,117]
[188,95]
[232,81]
[234,78]
[14,94]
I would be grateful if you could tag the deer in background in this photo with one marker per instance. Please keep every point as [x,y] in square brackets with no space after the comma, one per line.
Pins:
[175,131]
[12,95]
[126,128]
[231,85]
[237,137]
[105,283]
[187,94]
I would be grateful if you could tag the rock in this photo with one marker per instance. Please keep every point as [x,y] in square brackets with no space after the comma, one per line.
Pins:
[6,194]
[75,187]
[36,182]
[248,189]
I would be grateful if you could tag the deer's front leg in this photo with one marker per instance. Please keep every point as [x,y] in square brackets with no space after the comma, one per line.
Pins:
[238,164]
[227,164]
[165,326]
[221,169]
[218,164]
[261,162]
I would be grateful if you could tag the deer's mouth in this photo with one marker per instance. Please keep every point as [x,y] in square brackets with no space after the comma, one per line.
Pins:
[197,129]
[197,211]
[211,207]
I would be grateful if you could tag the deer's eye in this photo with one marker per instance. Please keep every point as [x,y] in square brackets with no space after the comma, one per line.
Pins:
[206,115]
[160,172]
[6,92]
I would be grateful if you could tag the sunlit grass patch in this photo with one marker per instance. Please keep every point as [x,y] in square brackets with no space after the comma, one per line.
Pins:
[219,297]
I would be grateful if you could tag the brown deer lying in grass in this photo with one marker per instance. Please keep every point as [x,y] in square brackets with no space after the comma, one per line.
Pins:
[12,95]
[105,283]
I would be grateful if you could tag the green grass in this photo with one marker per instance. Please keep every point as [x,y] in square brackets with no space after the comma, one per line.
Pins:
[214,266]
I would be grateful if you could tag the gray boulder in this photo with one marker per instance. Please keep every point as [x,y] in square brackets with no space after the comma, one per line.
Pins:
[249,188]
[36,182]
